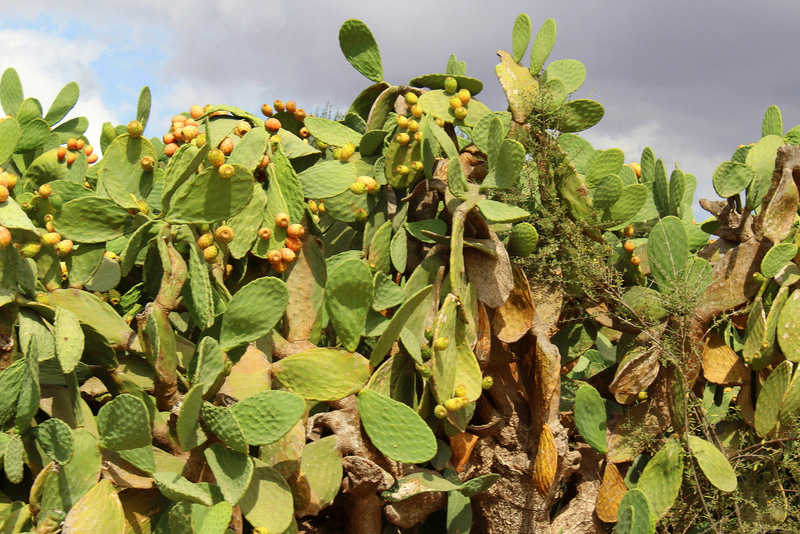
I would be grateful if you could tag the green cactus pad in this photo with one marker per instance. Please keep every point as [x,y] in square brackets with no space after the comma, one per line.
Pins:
[481,132]
[93,220]
[55,438]
[322,467]
[386,294]
[607,192]
[360,49]
[246,319]
[100,510]
[221,421]
[445,360]
[523,240]
[668,250]
[348,296]
[500,212]
[398,321]
[636,514]
[578,115]
[207,365]
[175,487]
[9,135]
[570,71]
[713,463]
[608,162]
[122,163]
[13,461]
[395,429]
[10,91]
[34,135]
[64,487]
[232,470]
[331,132]
[249,151]
[188,204]
[761,158]
[661,478]
[29,392]
[267,503]
[267,416]
[187,426]
[181,166]
[542,45]
[731,178]
[590,417]
[519,86]
[437,103]
[417,483]
[124,423]
[10,382]
[788,329]
[505,172]
[468,372]
[756,331]
[769,401]
[772,124]
[776,258]
[323,374]
[790,404]
[436,81]
[521,36]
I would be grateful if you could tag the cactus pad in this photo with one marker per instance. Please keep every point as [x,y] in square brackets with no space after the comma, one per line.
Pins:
[124,423]
[267,416]
[713,463]
[246,318]
[590,417]
[232,470]
[322,373]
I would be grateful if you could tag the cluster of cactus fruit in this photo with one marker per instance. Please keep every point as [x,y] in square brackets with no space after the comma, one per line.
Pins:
[182,322]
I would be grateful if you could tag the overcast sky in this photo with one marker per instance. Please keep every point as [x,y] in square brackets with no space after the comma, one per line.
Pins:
[691,79]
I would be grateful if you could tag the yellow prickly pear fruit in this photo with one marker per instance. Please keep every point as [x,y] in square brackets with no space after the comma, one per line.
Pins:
[3,193]
[441,343]
[224,234]
[454,404]
[205,240]
[642,396]
[226,171]
[190,133]
[455,102]
[267,110]
[629,246]
[242,128]
[147,163]
[45,190]
[211,253]
[440,411]
[64,247]
[358,188]
[50,239]
[278,105]
[403,138]
[312,205]
[30,249]
[274,256]
[460,113]
[135,129]
[487,382]
[216,157]
[461,390]
[637,169]
[417,166]
[347,151]
[416,111]
[411,98]
[401,120]
[635,260]
[464,96]
[402,169]
[413,126]
[282,219]
[287,255]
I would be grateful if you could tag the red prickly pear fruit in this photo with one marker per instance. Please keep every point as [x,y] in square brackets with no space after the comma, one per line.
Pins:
[460,113]
[282,219]
[300,115]
[226,171]
[5,237]
[304,133]
[629,246]
[287,255]
[196,111]
[242,128]
[168,138]
[61,153]
[401,120]
[402,169]
[411,98]
[210,254]
[169,149]
[628,231]
[455,102]
[267,110]
[190,132]
[50,239]
[274,256]
[88,149]
[358,188]
[278,105]
[64,247]
[461,390]
[135,129]
[3,193]
[464,96]
[291,106]
[635,260]
[205,240]
[147,163]
[272,124]
[216,157]
[45,190]
[487,382]
[71,157]
[413,126]
[440,411]
[30,249]
[441,343]
[72,143]
[416,111]
[264,233]
[224,234]
[295,230]
[450,84]
[226,146]
[347,151]
[439,122]
[92,159]
[294,243]
[403,138]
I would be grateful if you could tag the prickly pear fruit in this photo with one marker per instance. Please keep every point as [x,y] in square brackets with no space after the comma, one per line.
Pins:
[196,111]
[114,297]
[61,153]
[267,110]
[523,240]
[211,253]
[487,382]
[50,239]
[440,344]
[460,113]
[291,106]
[416,111]
[190,133]
[403,138]
[402,121]
[242,128]
[450,84]
[64,247]
[274,256]
[287,255]
[92,158]
[425,371]
[3,193]
[205,241]
[272,124]
[282,219]
[402,169]
[135,129]
[304,133]
[169,150]
[642,396]
[224,234]
[629,246]
[628,231]
[300,115]
[147,163]
[5,237]
[455,102]
[294,243]
[347,151]
[226,146]
[264,233]
[464,96]
[295,230]
[370,183]
[413,126]
[417,166]
[456,403]
[30,249]
[411,98]
[280,267]
[637,169]
[635,260]
[361,215]
[216,157]
[439,122]
[71,157]
[358,188]
[278,105]
[461,390]
[226,171]
[440,411]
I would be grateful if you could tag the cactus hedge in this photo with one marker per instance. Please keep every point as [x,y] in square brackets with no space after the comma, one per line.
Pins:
[423,315]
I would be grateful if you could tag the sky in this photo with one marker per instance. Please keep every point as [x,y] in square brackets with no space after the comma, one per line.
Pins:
[689,79]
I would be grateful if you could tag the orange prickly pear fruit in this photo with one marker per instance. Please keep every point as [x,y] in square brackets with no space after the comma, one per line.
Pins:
[45,190]
[287,255]
[267,110]
[635,260]
[278,105]
[272,124]
[5,236]
[291,106]
[224,234]
[637,169]
[274,256]
[71,157]
[196,111]
[628,231]
[72,143]
[629,246]
[64,247]
[3,193]
[242,128]
[168,138]
[226,146]
[264,233]
[464,96]
[295,230]
[169,150]
[304,133]
[282,219]
[92,158]
[294,243]
[88,149]
[61,153]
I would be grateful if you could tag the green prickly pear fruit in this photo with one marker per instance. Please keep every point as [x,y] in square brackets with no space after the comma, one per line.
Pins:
[30,249]
[224,234]
[114,297]
[267,110]
[411,98]
[337,152]
[321,146]
[242,128]
[205,241]
[216,157]
[264,233]
[642,396]
[358,188]
[455,404]
[440,344]
[757,277]
[426,352]
[282,219]
[425,371]
[64,247]
[45,190]
[450,84]
[461,390]
[455,102]
[272,124]
[3,193]
[226,146]
[402,169]
[361,215]
[440,411]
[429,334]
[487,382]
[135,129]
[196,111]
[147,163]
[464,96]
[460,113]
[211,253]
[226,171]
[523,240]
[50,239]
[200,140]
[401,120]
[5,237]
[403,138]
[346,152]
